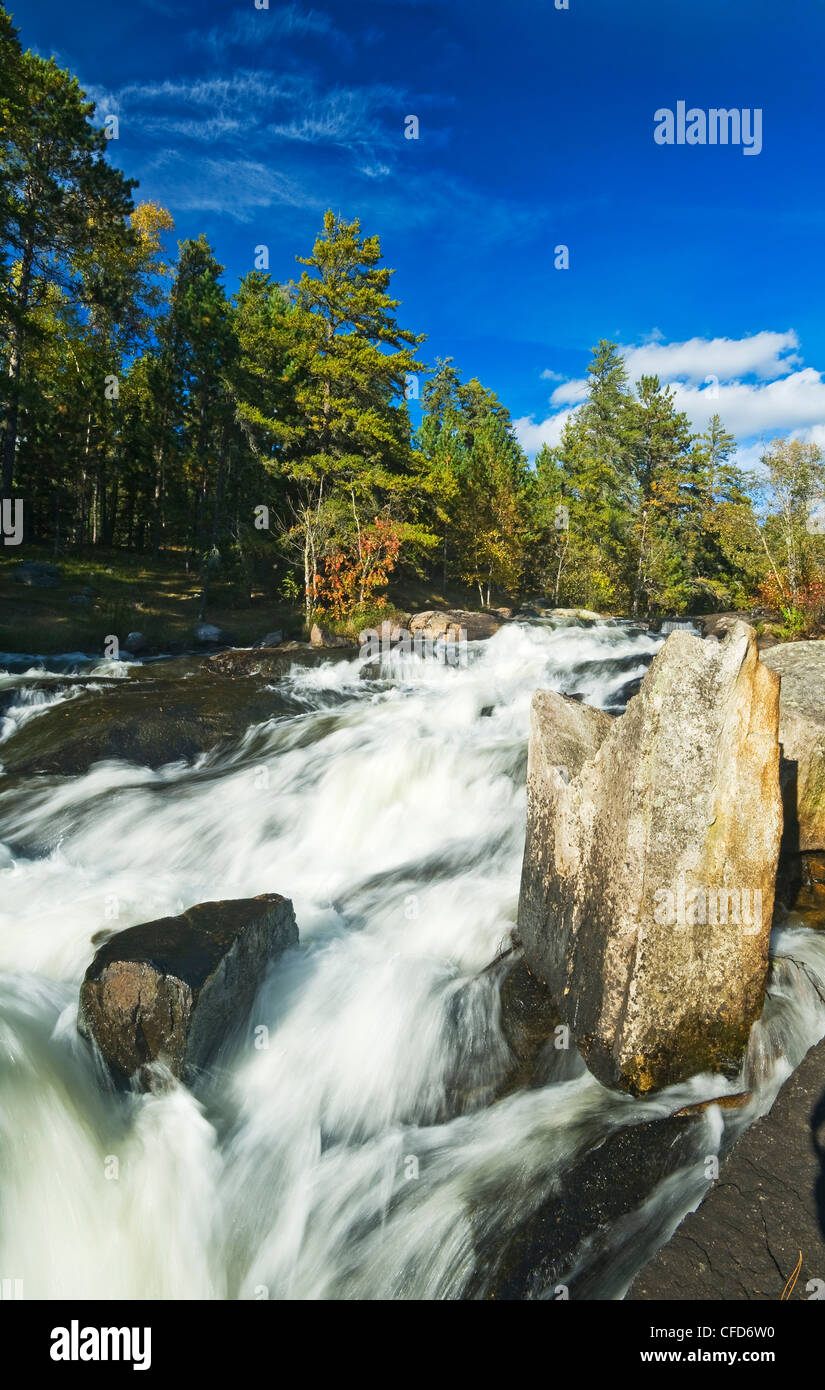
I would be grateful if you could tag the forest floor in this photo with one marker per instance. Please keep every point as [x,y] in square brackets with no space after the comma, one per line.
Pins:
[103,593]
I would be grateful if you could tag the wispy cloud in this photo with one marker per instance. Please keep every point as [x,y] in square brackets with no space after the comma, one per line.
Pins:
[234,188]
[259,27]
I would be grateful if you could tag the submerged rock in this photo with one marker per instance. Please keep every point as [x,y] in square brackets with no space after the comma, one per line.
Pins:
[173,990]
[802,735]
[648,878]
[542,1257]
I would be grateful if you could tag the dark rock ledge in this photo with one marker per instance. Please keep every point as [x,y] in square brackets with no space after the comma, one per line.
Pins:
[765,1210]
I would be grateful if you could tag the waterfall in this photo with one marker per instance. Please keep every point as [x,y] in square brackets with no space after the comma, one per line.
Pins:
[327,1155]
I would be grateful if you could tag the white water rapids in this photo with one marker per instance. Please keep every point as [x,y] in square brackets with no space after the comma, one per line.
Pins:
[330,1163]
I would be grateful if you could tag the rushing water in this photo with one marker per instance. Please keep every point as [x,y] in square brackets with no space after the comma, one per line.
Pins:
[332,1162]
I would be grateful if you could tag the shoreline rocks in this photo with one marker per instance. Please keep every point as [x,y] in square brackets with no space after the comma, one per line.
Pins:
[766,1208]
[648,878]
[173,990]
[453,624]
[323,637]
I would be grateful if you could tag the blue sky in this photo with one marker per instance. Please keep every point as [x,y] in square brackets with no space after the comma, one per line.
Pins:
[535,130]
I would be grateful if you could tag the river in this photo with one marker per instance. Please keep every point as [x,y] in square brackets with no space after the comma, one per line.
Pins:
[327,1157]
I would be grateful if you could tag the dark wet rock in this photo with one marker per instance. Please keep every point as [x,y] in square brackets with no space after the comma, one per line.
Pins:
[272,664]
[529,1022]
[802,735]
[323,637]
[15,692]
[453,624]
[174,990]
[538,1260]
[766,1208]
[136,643]
[630,861]
[159,718]
[272,639]
[210,636]
[80,600]
[37,574]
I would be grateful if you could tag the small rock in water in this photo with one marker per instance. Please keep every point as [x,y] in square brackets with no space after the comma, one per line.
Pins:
[174,989]
[272,639]
[136,643]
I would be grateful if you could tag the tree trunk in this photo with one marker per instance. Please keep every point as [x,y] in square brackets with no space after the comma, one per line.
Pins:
[14,372]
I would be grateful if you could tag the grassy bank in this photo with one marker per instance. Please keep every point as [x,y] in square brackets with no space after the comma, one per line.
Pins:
[112,593]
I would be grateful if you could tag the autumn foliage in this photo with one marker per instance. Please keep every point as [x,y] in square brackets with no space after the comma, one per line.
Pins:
[351,574]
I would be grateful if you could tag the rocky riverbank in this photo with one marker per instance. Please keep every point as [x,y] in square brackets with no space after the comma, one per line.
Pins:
[759,1234]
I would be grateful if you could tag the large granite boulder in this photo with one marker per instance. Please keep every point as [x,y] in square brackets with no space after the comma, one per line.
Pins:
[453,624]
[325,637]
[648,877]
[802,736]
[174,989]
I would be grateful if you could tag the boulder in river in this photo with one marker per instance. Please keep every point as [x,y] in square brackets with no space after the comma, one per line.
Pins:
[173,990]
[453,623]
[648,877]
[271,639]
[802,735]
[165,712]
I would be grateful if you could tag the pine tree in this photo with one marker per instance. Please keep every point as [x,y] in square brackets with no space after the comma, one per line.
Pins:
[349,449]
[59,200]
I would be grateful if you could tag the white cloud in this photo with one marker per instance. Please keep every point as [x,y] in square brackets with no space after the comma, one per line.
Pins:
[706,377]
[531,434]
[778,407]
[765,355]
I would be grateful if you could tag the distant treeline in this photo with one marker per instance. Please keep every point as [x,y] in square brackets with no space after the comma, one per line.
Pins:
[268,433]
